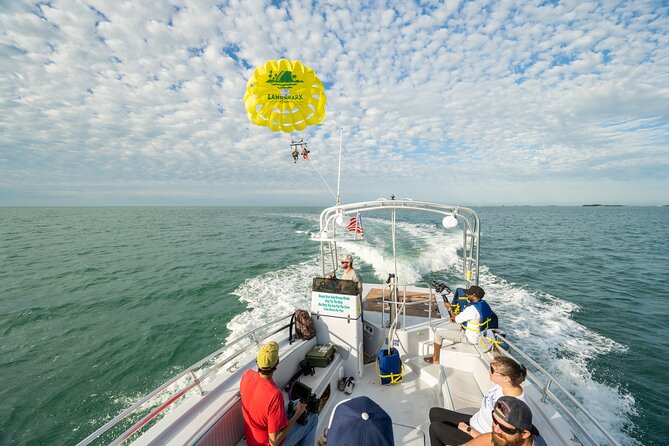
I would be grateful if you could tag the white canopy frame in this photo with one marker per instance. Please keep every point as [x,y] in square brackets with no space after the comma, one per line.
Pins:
[329,233]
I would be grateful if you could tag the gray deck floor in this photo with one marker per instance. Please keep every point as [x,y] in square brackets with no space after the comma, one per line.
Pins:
[408,403]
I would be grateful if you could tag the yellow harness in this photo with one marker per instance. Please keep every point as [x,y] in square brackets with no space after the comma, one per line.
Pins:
[478,329]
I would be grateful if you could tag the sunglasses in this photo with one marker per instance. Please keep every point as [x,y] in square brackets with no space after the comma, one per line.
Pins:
[344,263]
[493,372]
[506,430]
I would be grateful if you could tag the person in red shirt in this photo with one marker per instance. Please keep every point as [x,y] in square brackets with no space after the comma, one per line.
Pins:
[263,408]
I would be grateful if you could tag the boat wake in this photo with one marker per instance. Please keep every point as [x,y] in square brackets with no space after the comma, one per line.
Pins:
[540,323]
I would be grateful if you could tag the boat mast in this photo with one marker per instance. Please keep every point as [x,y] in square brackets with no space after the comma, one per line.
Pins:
[341,133]
[393,278]
[333,245]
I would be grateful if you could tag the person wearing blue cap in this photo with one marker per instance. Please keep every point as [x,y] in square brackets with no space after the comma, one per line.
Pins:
[360,421]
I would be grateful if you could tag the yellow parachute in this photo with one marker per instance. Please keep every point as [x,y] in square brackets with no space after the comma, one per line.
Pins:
[285,95]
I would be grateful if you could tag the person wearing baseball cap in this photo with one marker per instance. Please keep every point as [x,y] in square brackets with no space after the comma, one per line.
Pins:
[511,426]
[466,326]
[264,410]
[351,273]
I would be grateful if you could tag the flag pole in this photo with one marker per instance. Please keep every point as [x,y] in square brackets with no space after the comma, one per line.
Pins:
[357,225]
[341,133]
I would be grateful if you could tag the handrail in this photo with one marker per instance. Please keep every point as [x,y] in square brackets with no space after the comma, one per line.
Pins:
[548,393]
[190,371]
[466,216]
[405,303]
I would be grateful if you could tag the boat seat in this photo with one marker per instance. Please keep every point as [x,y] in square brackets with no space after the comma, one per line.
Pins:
[324,376]
[461,391]
[461,349]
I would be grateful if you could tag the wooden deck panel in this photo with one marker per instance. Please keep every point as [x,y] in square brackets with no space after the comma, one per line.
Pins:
[373,303]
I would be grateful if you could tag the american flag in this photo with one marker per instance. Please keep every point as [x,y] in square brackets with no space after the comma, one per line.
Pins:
[355,225]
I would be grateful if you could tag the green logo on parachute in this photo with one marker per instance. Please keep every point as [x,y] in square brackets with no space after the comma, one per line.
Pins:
[283,79]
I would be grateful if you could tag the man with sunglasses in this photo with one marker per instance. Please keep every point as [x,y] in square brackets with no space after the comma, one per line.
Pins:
[511,426]
[350,273]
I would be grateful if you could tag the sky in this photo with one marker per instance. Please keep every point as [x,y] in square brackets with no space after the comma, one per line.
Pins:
[467,103]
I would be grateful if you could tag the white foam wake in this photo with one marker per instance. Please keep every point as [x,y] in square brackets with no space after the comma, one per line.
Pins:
[438,250]
[272,295]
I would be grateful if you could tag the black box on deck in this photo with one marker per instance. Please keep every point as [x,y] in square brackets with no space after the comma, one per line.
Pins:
[321,355]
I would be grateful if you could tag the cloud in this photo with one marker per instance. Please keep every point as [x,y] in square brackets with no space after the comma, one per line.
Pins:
[98,95]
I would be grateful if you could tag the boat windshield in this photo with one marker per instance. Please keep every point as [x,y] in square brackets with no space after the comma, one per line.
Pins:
[334,285]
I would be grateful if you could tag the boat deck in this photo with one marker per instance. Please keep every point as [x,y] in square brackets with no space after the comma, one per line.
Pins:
[408,403]
[414,307]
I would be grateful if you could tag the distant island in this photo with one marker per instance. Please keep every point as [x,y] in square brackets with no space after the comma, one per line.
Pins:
[601,205]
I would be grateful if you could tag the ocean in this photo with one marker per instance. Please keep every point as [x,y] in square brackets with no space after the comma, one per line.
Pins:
[98,306]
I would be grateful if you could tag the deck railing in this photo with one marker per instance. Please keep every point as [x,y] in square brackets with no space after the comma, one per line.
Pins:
[404,304]
[547,393]
[190,381]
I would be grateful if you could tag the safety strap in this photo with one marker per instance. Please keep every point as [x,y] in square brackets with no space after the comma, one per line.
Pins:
[394,377]
[290,329]
[492,341]
[456,306]
[477,330]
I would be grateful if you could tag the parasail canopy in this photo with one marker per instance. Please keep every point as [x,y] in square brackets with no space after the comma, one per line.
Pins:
[285,96]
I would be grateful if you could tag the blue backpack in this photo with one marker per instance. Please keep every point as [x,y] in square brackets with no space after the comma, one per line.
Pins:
[460,301]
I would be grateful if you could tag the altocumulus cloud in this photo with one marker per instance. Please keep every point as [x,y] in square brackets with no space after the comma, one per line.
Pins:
[483,102]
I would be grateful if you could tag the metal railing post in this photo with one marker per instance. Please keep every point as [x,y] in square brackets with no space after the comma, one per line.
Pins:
[547,387]
[197,381]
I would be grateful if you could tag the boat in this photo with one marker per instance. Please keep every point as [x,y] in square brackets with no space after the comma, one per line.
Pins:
[202,405]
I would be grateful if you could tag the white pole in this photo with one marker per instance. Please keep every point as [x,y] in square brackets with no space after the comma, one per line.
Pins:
[341,133]
[393,290]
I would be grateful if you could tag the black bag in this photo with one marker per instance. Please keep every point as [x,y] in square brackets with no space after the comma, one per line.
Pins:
[494,321]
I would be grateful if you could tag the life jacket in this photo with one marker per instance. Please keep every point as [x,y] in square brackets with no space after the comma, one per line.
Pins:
[486,316]
[460,301]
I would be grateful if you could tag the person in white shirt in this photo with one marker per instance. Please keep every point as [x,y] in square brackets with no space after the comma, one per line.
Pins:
[450,427]
[465,326]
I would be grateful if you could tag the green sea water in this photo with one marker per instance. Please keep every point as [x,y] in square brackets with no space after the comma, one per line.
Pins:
[98,306]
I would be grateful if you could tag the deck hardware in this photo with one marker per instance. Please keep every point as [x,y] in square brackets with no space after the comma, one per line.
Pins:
[197,381]
[546,388]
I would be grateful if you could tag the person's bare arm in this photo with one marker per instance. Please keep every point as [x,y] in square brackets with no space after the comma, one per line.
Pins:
[276,438]
[473,432]
[481,440]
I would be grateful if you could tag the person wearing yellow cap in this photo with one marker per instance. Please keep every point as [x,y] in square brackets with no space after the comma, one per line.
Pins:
[264,410]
